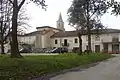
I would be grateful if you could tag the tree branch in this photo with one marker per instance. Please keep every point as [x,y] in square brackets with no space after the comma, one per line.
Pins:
[21,4]
[93,13]
[7,35]
[11,1]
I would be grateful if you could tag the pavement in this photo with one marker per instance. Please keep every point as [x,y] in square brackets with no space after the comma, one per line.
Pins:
[106,70]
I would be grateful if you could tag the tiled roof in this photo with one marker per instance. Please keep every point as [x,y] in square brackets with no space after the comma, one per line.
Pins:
[74,34]
[47,27]
[36,32]
[31,34]
[65,34]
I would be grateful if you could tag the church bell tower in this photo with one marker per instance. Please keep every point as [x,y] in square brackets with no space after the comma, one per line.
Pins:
[60,23]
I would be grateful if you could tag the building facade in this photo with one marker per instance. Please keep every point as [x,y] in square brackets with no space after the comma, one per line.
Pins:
[107,40]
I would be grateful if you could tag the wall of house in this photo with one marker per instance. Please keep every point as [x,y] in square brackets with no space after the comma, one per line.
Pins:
[94,41]
[27,39]
[72,44]
[60,41]
[38,41]
[47,40]
[108,37]
[104,38]
[44,40]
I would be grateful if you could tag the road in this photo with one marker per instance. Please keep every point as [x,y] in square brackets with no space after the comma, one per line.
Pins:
[106,70]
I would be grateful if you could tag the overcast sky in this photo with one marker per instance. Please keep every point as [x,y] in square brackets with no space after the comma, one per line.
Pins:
[40,17]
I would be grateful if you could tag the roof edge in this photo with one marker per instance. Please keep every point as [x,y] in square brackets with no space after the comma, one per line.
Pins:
[47,27]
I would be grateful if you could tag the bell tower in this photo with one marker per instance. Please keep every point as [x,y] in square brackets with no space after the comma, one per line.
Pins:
[60,23]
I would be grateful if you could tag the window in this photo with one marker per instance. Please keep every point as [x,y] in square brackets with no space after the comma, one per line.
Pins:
[65,42]
[76,40]
[56,41]
[97,38]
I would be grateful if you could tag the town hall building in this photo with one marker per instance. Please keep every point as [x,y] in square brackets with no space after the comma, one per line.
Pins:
[108,40]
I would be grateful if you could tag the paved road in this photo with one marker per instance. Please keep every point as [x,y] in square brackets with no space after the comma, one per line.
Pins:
[107,70]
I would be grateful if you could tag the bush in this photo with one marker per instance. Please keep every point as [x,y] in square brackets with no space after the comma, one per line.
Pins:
[88,51]
[75,50]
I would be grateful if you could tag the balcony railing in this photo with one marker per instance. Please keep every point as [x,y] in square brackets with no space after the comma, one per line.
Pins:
[110,40]
[66,45]
[115,39]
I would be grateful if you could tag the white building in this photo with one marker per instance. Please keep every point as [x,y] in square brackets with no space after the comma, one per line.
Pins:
[48,37]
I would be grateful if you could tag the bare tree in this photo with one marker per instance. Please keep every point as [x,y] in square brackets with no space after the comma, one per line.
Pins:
[4,23]
[17,4]
[23,21]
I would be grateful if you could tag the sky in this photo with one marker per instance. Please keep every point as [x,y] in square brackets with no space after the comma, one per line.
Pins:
[39,17]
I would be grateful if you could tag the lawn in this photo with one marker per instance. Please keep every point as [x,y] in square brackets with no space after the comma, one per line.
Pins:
[33,66]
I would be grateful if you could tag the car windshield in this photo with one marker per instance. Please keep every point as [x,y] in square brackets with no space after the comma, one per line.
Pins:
[54,49]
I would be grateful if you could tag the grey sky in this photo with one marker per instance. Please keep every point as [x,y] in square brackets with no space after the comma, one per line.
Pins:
[39,17]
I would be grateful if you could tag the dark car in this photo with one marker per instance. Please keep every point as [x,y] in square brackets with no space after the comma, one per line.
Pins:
[59,50]
[25,50]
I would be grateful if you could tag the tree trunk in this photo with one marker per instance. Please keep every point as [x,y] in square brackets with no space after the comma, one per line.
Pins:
[89,35]
[1,36]
[2,48]
[88,26]
[89,39]
[80,42]
[14,43]
[80,45]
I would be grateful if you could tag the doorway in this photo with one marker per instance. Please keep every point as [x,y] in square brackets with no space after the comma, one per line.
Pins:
[97,48]
[115,48]
[65,42]
[105,47]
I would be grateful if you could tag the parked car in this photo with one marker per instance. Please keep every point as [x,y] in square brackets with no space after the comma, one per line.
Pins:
[58,50]
[25,50]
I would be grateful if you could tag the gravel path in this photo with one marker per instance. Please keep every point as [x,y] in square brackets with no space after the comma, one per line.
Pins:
[106,70]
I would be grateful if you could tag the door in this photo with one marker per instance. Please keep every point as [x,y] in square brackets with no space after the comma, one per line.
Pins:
[97,48]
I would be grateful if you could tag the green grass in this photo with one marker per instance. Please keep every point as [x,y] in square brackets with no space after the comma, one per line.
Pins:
[32,66]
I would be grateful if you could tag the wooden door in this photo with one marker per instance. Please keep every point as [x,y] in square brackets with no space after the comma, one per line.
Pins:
[97,48]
